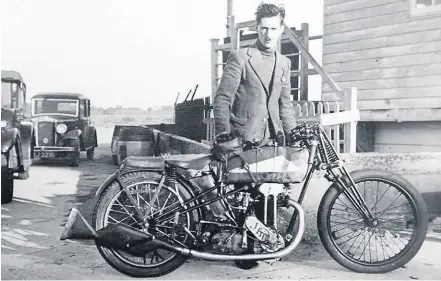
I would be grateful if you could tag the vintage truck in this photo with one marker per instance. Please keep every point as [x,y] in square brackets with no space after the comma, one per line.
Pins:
[17,133]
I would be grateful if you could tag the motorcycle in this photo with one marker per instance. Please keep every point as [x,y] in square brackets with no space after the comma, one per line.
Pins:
[151,216]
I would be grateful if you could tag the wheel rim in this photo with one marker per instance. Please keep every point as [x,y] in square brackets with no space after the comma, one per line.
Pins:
[121,210]
[361,241]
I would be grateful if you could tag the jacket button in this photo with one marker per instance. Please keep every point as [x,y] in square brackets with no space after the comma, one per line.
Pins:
[264,119]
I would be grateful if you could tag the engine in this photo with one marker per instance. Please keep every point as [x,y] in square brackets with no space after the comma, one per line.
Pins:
[227,242]
[252,226]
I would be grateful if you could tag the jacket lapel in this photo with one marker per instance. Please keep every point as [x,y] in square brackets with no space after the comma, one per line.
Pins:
[256,63]
[278,73]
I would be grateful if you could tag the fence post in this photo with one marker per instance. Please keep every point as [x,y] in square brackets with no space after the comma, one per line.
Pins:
[235,38]
[304,63]
[214,66]
[350,102]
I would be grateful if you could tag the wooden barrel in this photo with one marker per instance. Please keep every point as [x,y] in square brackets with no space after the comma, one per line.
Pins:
[132,141]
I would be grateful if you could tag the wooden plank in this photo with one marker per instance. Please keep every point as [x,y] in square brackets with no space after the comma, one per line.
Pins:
[214,67]
[394,93]
[246,24]
[331,2]
[428,133]
[397,93]
[339,117]
[393,72]
[376,63]
[304,63]
[361,24]
[386,9]
[420,24]
[410,49]
[296,73]
[384,41]
[350,129]
[417,81]
[402,115]
[400,103]
[292,36]
[354,5]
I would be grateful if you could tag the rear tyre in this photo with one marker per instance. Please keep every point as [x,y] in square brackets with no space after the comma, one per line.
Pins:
[90,153]
[111,208]
[395,240]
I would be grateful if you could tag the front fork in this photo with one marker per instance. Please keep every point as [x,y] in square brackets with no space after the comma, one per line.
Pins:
[347,186]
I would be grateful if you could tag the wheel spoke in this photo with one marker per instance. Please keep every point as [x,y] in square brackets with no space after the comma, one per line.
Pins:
[358,239]
[120,210]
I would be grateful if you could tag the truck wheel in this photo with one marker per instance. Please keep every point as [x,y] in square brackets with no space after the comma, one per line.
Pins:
[90,153]
[8,180]
[7,188]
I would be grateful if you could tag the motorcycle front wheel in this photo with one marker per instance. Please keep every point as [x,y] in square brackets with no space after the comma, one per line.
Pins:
[393,241]
[114,207]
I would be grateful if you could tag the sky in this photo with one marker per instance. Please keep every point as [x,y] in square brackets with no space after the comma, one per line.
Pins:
[127,52]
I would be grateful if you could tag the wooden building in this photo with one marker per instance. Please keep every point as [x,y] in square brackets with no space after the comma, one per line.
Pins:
[390,50]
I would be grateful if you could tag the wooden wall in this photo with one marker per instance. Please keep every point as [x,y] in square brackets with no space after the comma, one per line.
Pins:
[407,137]
[392,58]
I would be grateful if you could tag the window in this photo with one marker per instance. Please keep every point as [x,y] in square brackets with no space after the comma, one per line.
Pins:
[55,107]
[6,94]
[425,7]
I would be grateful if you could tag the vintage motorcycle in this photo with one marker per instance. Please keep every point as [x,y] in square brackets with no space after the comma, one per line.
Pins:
[151,216]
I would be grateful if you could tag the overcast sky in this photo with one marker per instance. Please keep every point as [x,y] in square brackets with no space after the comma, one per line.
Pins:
[131,52]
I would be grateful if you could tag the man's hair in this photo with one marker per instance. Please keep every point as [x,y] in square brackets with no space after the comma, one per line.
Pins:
[267,10]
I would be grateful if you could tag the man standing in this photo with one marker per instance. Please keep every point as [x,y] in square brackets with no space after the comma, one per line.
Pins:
[253,97]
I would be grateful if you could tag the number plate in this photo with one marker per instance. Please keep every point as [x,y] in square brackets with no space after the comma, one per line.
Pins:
[46,154]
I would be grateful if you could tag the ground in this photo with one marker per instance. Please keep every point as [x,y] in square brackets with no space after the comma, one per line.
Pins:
[32,224]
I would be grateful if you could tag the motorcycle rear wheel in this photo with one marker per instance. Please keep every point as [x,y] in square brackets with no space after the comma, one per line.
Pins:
[337,217]
[166,261]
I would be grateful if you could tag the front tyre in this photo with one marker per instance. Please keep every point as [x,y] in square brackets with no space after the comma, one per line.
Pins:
[358,245]
[114,206]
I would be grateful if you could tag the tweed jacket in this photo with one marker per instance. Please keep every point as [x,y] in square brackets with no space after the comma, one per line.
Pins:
[242,101]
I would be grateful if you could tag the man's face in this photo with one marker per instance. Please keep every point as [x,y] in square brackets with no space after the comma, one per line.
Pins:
[269,31]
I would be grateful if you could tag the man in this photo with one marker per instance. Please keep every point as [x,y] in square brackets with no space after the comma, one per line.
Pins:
[253,97]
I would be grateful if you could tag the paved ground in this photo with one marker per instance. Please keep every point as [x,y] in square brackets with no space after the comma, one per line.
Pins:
[32,224]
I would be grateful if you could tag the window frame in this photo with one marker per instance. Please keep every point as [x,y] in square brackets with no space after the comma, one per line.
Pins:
[427,11]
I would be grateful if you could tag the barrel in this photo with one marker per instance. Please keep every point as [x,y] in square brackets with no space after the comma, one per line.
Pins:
[132,141]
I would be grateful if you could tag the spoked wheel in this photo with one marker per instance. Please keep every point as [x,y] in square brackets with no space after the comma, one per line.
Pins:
[381,245]
[114,207]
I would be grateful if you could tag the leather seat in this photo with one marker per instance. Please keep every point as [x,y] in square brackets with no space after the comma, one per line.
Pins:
[156,163]
[194,164]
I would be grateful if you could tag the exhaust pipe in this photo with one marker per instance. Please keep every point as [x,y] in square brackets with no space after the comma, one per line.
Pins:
[266,256]
[116,236]
[136,242]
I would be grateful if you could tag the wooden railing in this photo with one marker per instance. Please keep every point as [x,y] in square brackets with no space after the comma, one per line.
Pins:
[339,119]
[336,117]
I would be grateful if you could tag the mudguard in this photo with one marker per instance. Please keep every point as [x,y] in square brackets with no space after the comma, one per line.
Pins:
[186,183]
[8,138]
[26,129]
[72,135]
